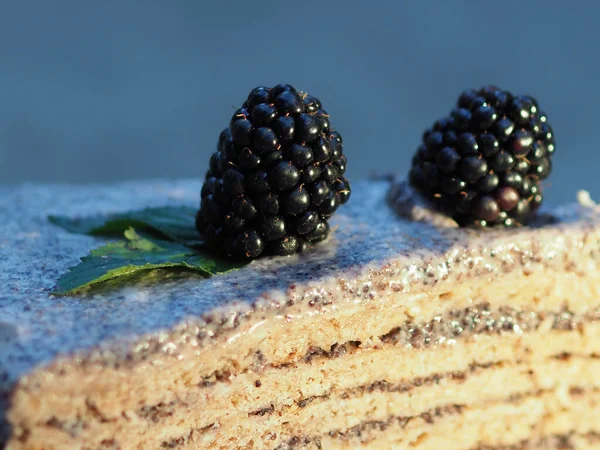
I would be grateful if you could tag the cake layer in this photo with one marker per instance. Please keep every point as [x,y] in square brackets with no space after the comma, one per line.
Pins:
[528,418]
[533,418]
[375,404]
[409,383]
[464,312]
[103,365]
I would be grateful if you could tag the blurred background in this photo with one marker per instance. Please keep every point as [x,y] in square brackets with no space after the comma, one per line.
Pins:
[124,89]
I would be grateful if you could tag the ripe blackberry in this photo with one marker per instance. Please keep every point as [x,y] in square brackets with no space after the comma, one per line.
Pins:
[483,164]
[276,177]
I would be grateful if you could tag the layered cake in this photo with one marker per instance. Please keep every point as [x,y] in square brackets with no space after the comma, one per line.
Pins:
[400,331]
[446,311]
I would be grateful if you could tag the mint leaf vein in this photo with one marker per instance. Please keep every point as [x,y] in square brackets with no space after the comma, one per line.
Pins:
[137,254]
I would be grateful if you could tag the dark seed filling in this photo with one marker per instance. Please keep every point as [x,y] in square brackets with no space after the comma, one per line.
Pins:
[156,413]
[414,383]
[481,319]
[454,324]
[362,431]
[261,412]
[387,387]
[371,426]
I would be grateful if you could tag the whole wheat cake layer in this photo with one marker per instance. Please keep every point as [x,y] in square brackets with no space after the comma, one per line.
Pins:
[395,333]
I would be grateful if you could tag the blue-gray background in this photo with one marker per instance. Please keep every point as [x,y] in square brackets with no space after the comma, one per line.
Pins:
[109,90]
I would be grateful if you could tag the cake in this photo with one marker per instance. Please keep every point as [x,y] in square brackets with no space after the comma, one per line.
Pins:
[400,331]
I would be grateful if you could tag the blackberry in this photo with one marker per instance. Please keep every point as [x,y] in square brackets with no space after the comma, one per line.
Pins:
[276,177]
[484,163]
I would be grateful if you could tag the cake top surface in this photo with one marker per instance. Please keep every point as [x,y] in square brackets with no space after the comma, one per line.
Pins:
[371,251]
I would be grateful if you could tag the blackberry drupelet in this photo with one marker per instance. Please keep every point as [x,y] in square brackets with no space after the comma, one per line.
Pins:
[276,177]
[483,164]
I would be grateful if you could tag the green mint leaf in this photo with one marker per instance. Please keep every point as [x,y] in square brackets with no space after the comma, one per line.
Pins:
[175,223]
[136,254]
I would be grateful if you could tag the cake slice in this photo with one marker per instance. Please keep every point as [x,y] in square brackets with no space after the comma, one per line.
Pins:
[395,333]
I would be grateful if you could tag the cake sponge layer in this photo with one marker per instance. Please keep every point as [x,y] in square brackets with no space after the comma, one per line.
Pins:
[506,308]
[329,395]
